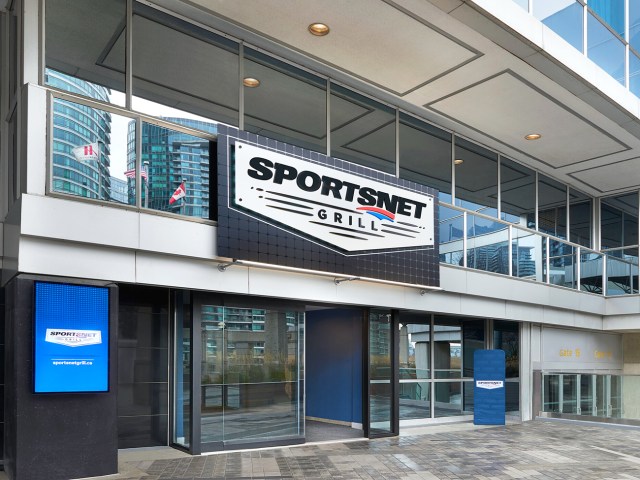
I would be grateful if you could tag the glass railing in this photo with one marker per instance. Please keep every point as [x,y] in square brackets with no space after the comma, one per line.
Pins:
[476,241]
[598,31]
[603,396]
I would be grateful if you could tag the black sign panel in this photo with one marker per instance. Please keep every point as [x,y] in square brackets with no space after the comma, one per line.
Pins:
[284,205]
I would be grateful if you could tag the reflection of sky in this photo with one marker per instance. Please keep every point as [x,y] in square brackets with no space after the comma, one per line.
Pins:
[119,126]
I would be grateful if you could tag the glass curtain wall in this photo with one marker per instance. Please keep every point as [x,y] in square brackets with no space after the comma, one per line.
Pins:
[186,74]
[619,237]
[436,364]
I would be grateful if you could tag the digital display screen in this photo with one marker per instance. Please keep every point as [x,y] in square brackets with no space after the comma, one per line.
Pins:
[71,338]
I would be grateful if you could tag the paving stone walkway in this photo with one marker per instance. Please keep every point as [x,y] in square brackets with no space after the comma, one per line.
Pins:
[531,450]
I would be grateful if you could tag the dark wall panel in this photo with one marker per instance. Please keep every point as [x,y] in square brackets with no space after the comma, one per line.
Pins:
[71,435]
[143,359]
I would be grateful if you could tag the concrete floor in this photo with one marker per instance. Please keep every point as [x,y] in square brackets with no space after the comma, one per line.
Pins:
[532,450]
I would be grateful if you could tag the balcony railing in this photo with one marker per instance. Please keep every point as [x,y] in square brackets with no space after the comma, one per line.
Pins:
[472,240]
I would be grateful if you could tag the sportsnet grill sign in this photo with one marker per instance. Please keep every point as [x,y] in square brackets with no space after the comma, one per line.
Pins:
[348,213]
[73,338]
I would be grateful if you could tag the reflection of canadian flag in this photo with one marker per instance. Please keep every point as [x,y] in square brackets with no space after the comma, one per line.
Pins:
[180,192]
[90,151]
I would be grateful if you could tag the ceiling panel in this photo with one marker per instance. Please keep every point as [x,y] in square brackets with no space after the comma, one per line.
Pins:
[612,177]
[359,41]
[507,107]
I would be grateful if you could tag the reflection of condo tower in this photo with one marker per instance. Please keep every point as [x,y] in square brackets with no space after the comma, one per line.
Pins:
[74,125]
[172,157]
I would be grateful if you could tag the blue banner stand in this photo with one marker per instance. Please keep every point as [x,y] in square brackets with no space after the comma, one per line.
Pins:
[489,387]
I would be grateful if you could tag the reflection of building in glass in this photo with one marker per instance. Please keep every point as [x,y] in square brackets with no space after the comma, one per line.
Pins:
[77,125]
[172,157]
[119,192]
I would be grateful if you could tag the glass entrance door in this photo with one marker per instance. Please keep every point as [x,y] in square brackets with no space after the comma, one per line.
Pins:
[382,366]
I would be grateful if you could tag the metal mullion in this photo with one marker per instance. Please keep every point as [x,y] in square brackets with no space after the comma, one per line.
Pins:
[128,80]
[547,260]
[138,162]
[499,188]
[536,208]
[397,143]
[196,374]
[328,117]
[41,41]
[432,358]
[577,258]
[510,250]
[464,239]
[453,169]
[584,30]
[605,276]
[240,86]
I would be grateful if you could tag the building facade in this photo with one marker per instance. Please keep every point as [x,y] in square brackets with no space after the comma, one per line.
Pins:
[316,226]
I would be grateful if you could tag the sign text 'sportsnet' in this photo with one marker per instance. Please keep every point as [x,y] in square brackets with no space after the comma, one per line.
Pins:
[341,209]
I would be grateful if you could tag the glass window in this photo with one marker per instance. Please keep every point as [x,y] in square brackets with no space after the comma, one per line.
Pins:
[634,24]
[414,359]
[611,12]
[287,104]
[634,72]
[476,181]
[506,336]
[251,375]
[563,17]
[86,41]
[517,192]
[363,131]
[447,348]
[580,216]
[90,153]
[619,221]
[451,226]
[425,155]
[552,207]
[487,245]
[605,49]
[186,67]
[177,169]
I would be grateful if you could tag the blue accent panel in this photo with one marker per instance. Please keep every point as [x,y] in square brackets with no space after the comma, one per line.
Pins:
[489,387]
[77,317]
[379,216]
[333,370]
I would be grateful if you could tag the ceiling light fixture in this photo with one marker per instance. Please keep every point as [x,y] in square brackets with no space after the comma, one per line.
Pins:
[458,161]
[250,82]
[533,136]
[319,29]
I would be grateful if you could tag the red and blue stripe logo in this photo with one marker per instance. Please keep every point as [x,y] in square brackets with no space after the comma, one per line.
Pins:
[379,213]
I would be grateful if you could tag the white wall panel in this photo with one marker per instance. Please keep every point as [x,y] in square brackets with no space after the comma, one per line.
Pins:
[483,307]
[298,286]
[182,272]
[79,221]
[65,259]
[178,237]
[623,305]
[36,140]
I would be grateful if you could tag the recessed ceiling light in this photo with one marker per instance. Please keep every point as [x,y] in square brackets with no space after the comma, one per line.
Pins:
[250,82]
[458,161]
[319,29]
[533,136]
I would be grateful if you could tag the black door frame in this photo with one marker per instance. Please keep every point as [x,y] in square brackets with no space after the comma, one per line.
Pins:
[395,376]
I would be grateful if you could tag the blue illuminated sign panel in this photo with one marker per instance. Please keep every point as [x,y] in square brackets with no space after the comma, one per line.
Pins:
[71,338]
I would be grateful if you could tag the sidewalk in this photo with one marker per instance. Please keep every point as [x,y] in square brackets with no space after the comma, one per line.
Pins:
[533,450]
